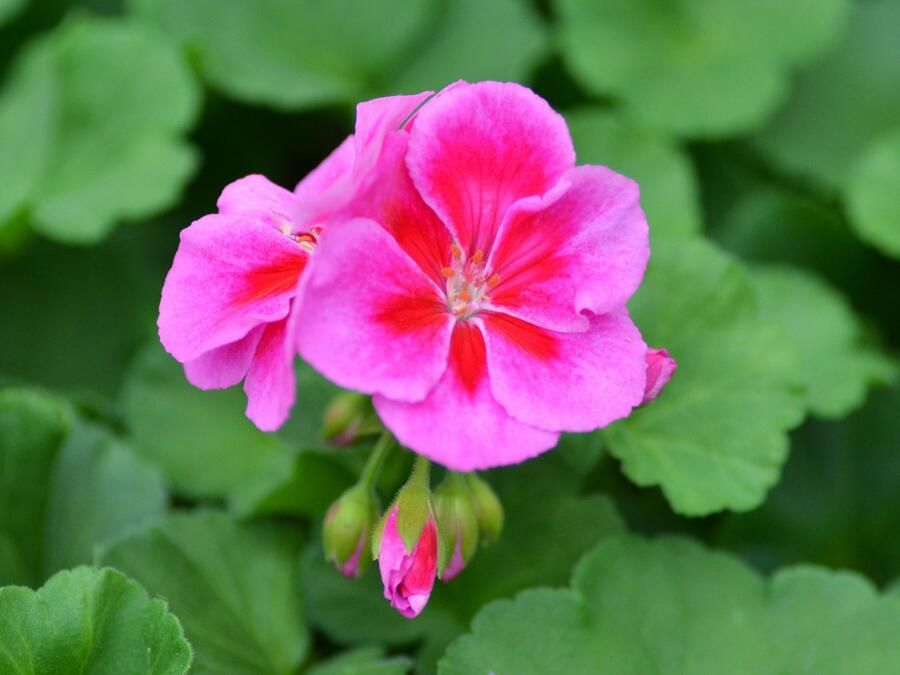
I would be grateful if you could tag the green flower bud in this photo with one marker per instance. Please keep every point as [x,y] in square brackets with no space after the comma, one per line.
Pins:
[457,525]
[488,508]
[413,507]
[348,417]
[347,528]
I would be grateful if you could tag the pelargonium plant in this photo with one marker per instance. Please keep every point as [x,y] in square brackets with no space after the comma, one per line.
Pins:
[450,260]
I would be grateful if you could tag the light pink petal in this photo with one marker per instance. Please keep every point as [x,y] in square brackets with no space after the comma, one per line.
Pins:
[566,381]
[459,424]
[393,202]
[270,385]
[478,148]
[347,171]
[224,366]
[230,274]
[408,576]
[260,198]
[327,188]
[584,248]
[660,368]
[368,318]
[457,563]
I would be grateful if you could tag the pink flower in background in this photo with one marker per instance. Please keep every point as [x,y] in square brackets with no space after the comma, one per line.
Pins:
[227,299]
[660,368]
[408,576]
[479,289]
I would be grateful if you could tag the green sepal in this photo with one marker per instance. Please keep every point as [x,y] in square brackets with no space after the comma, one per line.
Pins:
[456,519]
[413,504]
[349,518]
[488,508]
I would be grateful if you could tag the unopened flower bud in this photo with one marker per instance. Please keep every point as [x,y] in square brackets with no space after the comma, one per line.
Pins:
[348,417]
[660,368]
[457,524]
[406,545]
[488,509]
[347,528]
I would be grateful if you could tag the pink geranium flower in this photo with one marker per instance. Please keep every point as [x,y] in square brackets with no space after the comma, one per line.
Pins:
[479,290]
[227,299]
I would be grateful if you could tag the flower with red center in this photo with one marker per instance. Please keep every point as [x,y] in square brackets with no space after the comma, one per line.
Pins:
[227,300]
[408,574]
[479,289]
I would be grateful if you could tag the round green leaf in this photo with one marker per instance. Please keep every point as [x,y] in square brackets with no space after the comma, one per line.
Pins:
[233,586]
[289,53]
[200,439]
[89,620]
[873,194]
[690,67]
[670,606]
[843,103]
[117,99]
[837,366]
[716,437]
[474,40]
[663,171]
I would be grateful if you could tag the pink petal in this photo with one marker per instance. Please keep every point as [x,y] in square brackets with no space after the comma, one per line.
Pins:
[270,385]
[566,381]
[347,171]
[478,148]
[584,247]
[368,318]
[459,424]
[408,576]
[660,368]
[224,366]
[257,196]
[457,563]
[393,201]
[231,273]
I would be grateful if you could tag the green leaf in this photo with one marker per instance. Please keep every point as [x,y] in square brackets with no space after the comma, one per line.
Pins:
[32,428]
[690,68]
[200,439]
[844,103]
[473,40]
[837,366]
[99,489]
[837,503]
[671,606]
[716,437]
[539,545]
[291,54]
[668,185]
[364,661]
[9,9]
[872,194]
[89,620]
[113,100]
[233,586]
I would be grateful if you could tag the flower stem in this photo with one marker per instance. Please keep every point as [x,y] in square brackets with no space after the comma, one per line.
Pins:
[382,449]
[421,472]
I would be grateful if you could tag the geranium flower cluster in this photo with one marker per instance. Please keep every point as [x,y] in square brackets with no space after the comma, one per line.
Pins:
[448,259]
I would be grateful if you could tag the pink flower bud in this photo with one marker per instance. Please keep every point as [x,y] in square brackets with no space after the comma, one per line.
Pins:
[660,368]
[408,575]
[346,530]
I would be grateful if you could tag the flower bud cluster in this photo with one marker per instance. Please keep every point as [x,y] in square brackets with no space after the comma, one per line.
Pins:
[421,536]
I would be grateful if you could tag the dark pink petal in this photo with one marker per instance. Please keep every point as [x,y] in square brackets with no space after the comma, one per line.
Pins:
[347,172]
[231,273]
[368,318]
[408,576]
[459,424]
[582,248]
[270,385]
[224,366]
[478,148]
[566,381]
[660,368]
[257,196]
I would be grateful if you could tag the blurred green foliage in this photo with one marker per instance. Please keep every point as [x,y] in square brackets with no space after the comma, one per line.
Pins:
[764,136]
